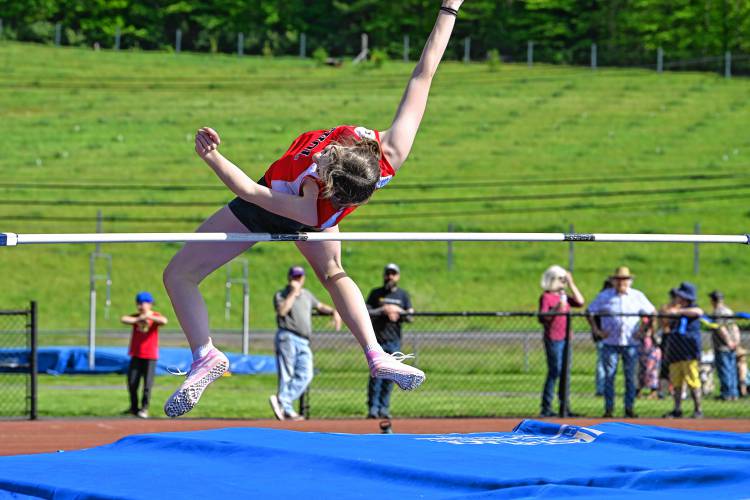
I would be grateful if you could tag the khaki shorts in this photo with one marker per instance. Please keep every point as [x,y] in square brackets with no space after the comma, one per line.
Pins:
[685,372]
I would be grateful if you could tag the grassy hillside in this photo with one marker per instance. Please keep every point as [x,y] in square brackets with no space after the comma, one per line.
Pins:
[519,149]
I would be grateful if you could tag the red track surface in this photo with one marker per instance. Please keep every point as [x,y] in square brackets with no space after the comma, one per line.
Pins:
[50,435]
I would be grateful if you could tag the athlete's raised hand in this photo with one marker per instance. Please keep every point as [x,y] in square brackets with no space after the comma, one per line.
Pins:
[206,140]
[397,141]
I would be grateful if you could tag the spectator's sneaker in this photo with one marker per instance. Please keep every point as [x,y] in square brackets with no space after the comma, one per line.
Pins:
[630,413]
[673,414]
[698,414]
[202,372]
[547,413]
[373,414]
[607,414]
[390,367]
[385,414]
[278,411]
[129,411]
[142,414]
[293,416]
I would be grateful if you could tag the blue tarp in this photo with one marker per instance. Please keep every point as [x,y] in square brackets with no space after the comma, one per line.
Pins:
[59,360]
[538,459]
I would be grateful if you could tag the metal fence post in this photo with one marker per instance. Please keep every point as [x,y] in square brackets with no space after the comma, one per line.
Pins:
[564,390]
[33,361]
[303,45]
[526,349]
[659,60]
[304,403]
[696,251]
[530,53]
[240,44]
[178,41]
[467,49]
[92,318]
[364,50]
[245,282]
[58,34]
[246,312]
[406,48]
[571,251]
[727,64]
[593,56]
[450,248]
[117,38]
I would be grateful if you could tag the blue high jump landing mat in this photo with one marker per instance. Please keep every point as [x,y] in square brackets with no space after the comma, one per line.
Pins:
[536,460]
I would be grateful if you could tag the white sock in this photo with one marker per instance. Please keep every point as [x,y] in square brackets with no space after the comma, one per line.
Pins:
[202,350]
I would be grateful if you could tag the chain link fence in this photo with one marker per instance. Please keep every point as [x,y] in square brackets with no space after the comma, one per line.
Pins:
[18,363]
[496,365]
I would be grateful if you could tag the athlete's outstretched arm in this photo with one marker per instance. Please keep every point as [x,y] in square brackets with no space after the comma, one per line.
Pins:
[303,208]
[397,140]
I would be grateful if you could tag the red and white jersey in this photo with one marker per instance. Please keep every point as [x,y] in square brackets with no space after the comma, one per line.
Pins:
[287,174]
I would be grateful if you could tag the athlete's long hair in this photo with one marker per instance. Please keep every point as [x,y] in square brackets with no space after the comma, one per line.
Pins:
[354,172]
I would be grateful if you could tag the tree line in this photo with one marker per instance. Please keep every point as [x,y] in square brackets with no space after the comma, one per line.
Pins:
[626,31]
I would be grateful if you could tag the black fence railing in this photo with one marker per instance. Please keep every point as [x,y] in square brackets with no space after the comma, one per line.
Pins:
[497,365]
[18,356]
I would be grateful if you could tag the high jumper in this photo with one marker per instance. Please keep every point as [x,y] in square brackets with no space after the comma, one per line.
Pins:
[324,176]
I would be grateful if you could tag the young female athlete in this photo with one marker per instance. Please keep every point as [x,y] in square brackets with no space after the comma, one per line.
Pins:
[323,176]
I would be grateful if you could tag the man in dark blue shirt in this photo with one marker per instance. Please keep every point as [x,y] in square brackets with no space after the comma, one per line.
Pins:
[389,306]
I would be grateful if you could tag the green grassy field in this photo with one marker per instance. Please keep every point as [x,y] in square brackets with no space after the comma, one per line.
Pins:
[609,151]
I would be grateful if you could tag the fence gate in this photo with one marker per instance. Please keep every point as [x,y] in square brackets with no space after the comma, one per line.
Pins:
[18,355]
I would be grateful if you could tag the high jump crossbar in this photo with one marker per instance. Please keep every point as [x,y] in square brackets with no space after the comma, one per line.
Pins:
[13,239]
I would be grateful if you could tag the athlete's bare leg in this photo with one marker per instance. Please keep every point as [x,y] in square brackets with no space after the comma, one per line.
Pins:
[325,259]
[191,265]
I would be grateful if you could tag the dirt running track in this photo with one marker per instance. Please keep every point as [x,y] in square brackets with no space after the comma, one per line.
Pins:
[50,435]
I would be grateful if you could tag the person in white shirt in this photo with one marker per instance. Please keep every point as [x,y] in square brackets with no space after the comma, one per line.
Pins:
[621,308]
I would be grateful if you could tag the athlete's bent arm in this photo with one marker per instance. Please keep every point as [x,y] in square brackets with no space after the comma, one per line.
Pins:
[399,138]
[303,208]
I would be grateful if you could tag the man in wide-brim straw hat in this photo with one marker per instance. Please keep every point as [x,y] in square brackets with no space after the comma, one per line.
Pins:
[622,273]
[620,308]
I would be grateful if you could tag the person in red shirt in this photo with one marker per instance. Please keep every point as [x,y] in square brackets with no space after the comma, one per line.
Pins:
[143,351]
[555,302]
[324,176]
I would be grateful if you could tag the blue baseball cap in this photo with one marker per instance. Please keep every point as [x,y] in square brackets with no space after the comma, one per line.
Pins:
[144,297]
[296,271]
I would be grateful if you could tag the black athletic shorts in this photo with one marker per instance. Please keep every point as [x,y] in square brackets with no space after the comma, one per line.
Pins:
[260,220]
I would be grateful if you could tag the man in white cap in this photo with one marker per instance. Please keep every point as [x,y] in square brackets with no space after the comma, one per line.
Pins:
[294,363]
[620,308]
[389,306]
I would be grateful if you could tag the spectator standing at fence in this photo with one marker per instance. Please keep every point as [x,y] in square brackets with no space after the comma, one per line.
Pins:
[143,351]
[649,360]
[389,306]
[620,308]
[599,374]
[554,305]
[742,373]
[666,323]
[685,350]
[725,337]
[294,305]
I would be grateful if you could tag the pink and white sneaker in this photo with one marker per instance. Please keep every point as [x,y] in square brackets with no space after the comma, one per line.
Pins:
[203,371]
[390,367]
